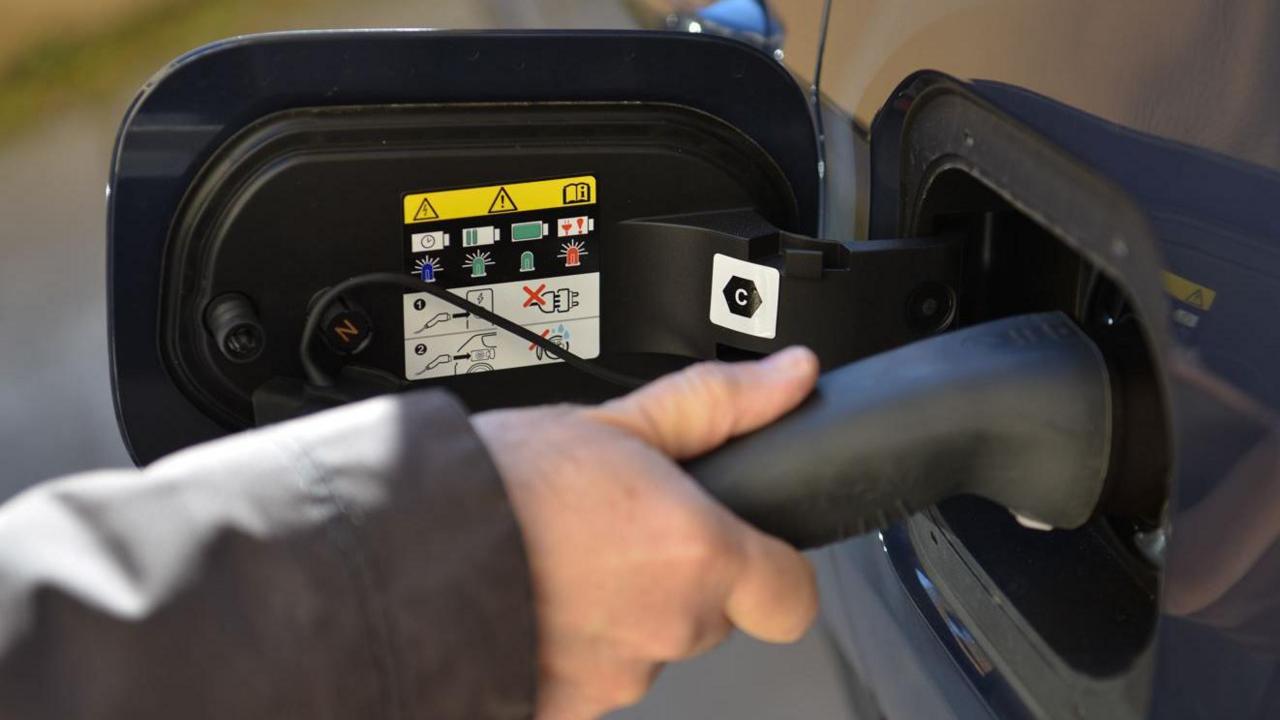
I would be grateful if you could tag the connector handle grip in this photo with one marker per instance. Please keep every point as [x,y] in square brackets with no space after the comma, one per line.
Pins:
[1017,410]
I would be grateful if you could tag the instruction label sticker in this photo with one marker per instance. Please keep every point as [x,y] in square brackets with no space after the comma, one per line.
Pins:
[744,296]
[441,340]
[499,199]
[1193,294]
[525,250]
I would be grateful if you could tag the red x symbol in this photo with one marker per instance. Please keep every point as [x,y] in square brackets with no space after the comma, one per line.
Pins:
[545,333]
[535,296]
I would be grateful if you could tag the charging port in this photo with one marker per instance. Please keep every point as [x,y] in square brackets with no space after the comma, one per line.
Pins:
[1066,617]
[1088,594]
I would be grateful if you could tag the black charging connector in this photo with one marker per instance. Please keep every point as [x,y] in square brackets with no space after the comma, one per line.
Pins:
[1016,410]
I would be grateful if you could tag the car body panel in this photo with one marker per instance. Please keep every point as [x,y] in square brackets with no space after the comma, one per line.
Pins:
[1176,104]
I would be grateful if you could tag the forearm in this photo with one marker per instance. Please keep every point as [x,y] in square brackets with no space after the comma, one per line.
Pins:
[343,565]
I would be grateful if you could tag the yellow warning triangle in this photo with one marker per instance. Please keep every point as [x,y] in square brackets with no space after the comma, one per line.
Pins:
[425,211]
[1196,298]
[503,202]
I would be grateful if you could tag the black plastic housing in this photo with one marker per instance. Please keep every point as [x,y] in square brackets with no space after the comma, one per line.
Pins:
[306,198]
[219,90]
[1016,410]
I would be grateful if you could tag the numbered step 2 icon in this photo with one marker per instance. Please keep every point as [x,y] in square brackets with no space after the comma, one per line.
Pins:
[428,360]
[478,353]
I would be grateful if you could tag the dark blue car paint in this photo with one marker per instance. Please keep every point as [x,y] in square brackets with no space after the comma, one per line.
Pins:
[1218,224]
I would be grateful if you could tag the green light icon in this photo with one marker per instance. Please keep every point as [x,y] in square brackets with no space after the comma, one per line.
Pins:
[526,261]
[477,263]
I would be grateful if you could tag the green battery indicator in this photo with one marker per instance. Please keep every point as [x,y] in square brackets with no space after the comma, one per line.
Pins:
[533,230]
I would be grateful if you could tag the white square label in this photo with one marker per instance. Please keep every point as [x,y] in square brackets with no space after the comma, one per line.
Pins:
[744,296]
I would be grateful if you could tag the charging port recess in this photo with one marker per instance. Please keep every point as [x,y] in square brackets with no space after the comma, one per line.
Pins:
[1042,233]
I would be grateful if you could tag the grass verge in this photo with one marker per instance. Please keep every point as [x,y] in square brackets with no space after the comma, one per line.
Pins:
[59,71]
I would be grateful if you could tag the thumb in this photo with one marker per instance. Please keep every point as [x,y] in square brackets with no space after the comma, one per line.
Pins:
[775,595]
[696,410]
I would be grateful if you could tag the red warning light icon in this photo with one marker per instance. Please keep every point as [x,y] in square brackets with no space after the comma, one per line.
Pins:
[572,253]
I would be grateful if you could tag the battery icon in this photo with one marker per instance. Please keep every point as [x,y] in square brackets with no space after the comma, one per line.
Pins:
[534,230]
[472,237]
[429,241]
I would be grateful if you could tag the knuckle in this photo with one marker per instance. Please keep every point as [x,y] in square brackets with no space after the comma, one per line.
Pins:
[623,686]
[708,380]
[700,543]
[711,386]
[629,691]
[673,642]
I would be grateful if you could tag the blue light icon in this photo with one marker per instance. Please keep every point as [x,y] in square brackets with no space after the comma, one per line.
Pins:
[426,268]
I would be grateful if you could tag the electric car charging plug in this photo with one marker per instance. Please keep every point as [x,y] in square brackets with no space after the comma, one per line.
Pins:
[1018,411]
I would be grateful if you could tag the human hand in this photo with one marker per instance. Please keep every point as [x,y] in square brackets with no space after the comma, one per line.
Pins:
[633,565]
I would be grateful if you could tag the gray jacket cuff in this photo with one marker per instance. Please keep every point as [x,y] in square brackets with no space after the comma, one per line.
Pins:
[362,562]
[435,549]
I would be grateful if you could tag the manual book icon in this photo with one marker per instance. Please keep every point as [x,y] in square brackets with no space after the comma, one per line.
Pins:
[575,193]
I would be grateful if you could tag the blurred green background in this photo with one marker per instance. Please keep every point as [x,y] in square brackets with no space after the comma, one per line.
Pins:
[59,52]
[55,53]
[68,70]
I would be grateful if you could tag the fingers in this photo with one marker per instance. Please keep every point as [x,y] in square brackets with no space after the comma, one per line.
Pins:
[592,684]
[690,412]
[775,596]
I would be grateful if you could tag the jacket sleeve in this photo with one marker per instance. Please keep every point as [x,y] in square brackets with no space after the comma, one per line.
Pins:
[360,563]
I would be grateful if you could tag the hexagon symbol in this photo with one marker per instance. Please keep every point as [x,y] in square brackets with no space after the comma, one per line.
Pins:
[742,296]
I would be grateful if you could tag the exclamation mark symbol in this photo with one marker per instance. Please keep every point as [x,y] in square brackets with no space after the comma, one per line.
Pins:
[502,202]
